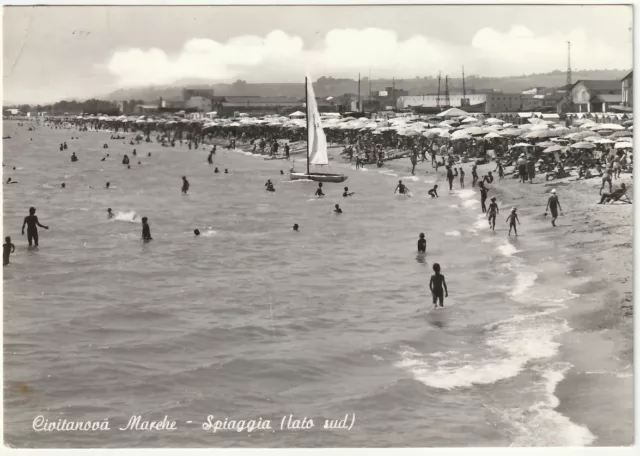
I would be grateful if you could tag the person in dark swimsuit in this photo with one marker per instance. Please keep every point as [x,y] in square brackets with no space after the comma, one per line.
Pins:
[185,185]
[32,223]
[347,193]
[337,210]
[7,249]
[210,158]
[474,174]
[146,231]
[216,170]
[438,286]
[434,192]
[403,189]
[295,227]
[553,204]
[461,178]
[110,214]
[493,212]
[196,232]
[483,196]
[319,190]
[450,177]
[73,157]
[422,244]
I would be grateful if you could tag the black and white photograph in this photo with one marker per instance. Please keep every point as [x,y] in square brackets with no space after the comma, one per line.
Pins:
[318,226]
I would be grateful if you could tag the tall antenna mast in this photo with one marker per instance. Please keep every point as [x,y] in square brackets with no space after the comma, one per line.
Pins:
[567,93]
[438,98]
[393,91]
[446,91]
[464,90]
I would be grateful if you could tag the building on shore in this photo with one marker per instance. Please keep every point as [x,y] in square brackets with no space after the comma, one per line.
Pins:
[627,90]
[487,102]
[595,95]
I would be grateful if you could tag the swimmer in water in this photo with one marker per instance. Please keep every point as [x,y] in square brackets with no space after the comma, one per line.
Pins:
[295,227]
[436,285]
[107,185]
[281,172]
[32,223]
[493,212]
[216,170]
[226,171]
[110,214]
[185,185]
[337,210]
[434,192]
[148,155]
[403,189]
[347,193]
[422,244]
[196,232]
[9,181]
[7,249]
[146,231]
[103,159]
[269,186]
[319,190]
[63,185]
[73,157]
[513,217]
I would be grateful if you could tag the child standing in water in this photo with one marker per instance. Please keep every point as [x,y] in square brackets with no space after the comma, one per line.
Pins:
[512,224]
[493,211]
[438,286]
[422,244]
[146,231]
[7,250]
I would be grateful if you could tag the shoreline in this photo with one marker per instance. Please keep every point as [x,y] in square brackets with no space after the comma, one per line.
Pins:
[598,239]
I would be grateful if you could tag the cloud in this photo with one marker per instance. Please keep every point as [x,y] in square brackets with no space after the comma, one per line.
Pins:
[344,52]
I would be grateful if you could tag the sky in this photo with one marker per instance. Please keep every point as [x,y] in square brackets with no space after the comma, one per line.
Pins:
[75,52]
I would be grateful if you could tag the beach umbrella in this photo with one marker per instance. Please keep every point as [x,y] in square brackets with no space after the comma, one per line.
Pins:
[552,149]
[593,139]
[580,135]
[511,132]
[297,114]
[520,145]
[597,127]
[604,141]
[493,134]
[432,132]
[623,145]
[493,120]
[583,145]
[624,140]
[453,112]
[559,131]
[546,144]
[539,134]
[621,134]
[469,120]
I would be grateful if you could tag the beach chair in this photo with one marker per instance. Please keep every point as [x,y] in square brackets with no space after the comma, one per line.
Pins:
[623,198]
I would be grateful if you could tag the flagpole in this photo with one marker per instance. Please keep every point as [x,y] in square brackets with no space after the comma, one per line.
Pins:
[306,98]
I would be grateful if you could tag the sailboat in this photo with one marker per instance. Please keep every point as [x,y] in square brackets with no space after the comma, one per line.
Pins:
[316,143]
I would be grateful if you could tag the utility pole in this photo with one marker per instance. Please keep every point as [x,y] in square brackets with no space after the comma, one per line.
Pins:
[446,91]
[438,98]
[464,90]
[359,102]
[393,91]
[369,87]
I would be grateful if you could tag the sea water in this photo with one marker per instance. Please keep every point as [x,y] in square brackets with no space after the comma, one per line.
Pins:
[251,320]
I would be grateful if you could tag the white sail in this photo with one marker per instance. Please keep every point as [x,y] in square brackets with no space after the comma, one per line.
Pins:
[315,134]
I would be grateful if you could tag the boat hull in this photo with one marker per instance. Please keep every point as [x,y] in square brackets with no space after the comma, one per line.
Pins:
[319,177]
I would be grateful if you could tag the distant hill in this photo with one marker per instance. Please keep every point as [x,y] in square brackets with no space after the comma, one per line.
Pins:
[326,86]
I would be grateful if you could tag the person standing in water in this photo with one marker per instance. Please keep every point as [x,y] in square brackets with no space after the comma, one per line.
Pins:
[32,223]
[185,185]
[337,210]
[449,177]
[7,249]
[319,190]
[403,189]
[422,244]
[210,158]
[438,286]
[295,227]
[461,177]
[500,169]
[474,174]
[512,219]
[553,204]
[493,212]
[483,196]
[414,162]
[110,214]
[146,231]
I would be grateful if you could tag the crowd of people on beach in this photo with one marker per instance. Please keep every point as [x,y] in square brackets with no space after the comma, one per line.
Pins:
[366,148]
